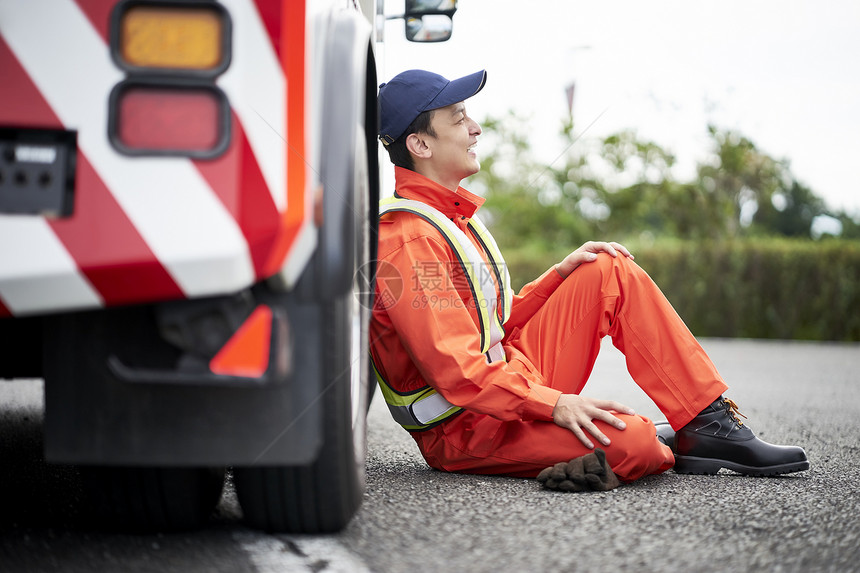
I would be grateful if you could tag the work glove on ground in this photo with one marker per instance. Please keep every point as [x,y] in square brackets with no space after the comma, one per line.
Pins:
[586,473]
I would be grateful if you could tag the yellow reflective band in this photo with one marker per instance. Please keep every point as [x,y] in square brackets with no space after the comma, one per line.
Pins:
[498,263]
[425,407]
[392,398]
[417,410]
[467,256]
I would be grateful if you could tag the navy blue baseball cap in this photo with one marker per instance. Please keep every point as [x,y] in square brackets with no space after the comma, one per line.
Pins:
[409,93]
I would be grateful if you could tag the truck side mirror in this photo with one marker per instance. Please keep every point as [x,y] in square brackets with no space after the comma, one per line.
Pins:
[429,20]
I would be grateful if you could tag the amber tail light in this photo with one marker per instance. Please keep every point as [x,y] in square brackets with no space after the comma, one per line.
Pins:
[171,37]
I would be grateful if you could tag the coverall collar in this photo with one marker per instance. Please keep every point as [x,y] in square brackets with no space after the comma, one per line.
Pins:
[453,204]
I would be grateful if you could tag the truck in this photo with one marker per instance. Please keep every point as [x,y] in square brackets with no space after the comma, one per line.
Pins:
[188,201]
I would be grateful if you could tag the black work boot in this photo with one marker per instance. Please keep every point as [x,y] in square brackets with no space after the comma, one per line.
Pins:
[665,434]
[716,439]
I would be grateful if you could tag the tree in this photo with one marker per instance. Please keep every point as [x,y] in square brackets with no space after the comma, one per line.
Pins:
[850,224]
[623,187]
[758,194]
[789,212]
[528,206]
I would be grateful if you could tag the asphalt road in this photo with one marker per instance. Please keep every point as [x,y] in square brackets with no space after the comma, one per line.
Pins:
[416,519]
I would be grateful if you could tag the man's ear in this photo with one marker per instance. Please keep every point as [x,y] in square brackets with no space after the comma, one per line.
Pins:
[417,146]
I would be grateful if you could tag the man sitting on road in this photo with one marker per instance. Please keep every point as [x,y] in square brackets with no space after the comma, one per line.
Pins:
[489,382]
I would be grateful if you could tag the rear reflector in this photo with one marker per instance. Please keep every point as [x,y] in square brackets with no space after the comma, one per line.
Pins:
[173,37]
[166,120]
[246,354]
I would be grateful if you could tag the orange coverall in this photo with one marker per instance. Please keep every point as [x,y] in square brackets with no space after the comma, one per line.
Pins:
[425,331]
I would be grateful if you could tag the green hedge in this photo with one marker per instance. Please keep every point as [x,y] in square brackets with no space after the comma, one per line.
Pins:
[762,288]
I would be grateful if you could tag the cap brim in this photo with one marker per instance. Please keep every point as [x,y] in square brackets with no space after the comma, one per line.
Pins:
[459,90]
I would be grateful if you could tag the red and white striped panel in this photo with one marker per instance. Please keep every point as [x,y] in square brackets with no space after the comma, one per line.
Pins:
[145,228]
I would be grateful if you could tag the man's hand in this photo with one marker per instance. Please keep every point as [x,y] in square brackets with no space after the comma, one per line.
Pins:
[577,414]
[587,253]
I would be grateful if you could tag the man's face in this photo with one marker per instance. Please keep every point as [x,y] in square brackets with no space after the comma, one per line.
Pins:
[453,154]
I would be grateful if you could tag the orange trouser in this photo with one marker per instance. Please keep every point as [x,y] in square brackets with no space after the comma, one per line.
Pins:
[609,296]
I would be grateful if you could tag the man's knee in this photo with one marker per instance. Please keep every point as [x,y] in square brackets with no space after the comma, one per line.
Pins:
[635,451]
[607,269]
[639,428]
[637,434]
[605,263]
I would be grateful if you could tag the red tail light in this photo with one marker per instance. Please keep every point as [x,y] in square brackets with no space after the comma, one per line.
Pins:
[169,120]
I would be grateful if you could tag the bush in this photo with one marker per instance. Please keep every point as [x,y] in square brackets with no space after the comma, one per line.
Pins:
[763,288]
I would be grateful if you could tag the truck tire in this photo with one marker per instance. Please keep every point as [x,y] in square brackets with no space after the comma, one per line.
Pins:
[150,499]
[323,496]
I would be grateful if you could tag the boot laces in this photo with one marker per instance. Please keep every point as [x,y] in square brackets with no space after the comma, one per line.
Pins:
[733,411]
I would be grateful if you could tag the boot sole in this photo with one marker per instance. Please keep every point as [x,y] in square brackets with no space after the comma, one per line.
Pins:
[710,466]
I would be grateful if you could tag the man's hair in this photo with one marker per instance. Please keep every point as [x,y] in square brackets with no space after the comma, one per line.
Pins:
[397,151]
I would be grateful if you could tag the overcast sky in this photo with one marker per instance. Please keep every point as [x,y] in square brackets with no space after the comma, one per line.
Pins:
[783,73]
